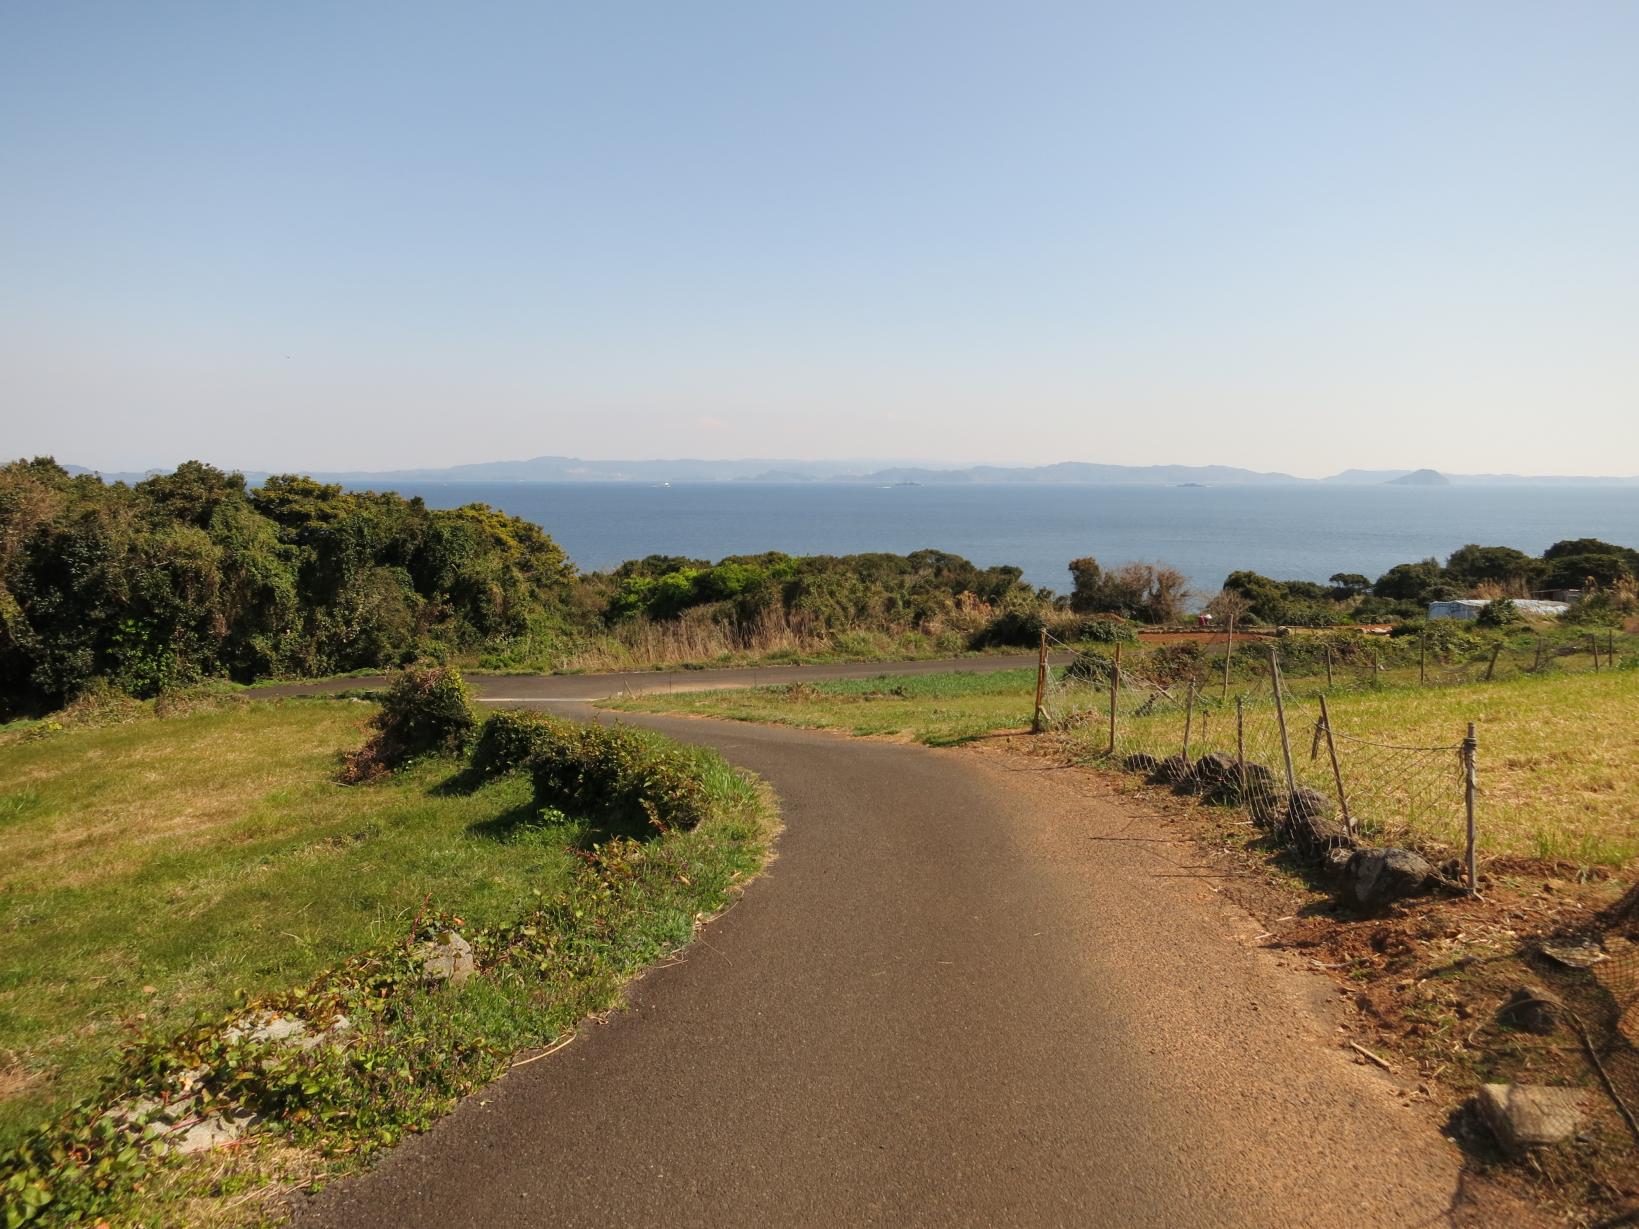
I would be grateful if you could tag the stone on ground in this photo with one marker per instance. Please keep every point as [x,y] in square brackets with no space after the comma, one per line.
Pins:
[1378,876]
[447,959]
[1524,1116]
[1533,1009]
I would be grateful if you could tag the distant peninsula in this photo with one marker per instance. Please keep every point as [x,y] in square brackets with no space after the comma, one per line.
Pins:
[889,473]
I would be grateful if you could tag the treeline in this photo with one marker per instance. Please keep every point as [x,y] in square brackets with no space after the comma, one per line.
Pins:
[1601,573]
[191,575]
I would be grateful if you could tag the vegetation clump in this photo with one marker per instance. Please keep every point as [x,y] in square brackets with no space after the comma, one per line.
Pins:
[425,710]
[631,781]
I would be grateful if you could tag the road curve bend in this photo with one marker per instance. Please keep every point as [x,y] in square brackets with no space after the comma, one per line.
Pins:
[944,1003]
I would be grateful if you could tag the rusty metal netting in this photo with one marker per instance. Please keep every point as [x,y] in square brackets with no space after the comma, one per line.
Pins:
[1283,760]
[1280,757]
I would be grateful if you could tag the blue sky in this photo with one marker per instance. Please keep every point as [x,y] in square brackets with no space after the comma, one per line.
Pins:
[1287,236]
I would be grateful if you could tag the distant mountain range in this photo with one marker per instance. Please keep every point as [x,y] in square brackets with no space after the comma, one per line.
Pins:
[1064,473]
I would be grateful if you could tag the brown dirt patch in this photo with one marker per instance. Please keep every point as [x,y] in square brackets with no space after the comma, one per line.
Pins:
[1422,985]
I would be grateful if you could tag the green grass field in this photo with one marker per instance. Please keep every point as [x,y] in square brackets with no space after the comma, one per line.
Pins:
[1558,753]
[155,869]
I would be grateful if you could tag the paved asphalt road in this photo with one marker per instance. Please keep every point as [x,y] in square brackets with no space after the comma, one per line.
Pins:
[967,991]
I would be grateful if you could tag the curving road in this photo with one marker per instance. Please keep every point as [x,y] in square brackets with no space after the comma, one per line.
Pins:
[944,1003]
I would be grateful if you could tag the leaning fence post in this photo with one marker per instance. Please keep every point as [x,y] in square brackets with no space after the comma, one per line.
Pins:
[1337,771]
[1471,748]
[1492,667]
[1189,718]
[1041,683]
[1115,687]
[1240,742]
[1280,716]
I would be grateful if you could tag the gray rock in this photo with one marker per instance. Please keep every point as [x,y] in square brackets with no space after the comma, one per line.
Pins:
[1378,876]
[211,1131]
[1337,860]
[447,959]
[1217,778]
[1305,803]
[1533,1009]
[267,1027]
[270,1028]
[1173,770]
[1306,821]
[1258,774]
[1262,800]
[1524,1116]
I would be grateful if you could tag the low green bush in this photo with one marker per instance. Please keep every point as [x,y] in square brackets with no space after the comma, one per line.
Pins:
[619,776]
[426,710]
[1012,628]
[508,741]
[1106,629]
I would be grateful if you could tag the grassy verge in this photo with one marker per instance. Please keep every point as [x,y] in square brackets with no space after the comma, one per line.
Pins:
[172,875]
[1559,763]
[939,709]
[683,645]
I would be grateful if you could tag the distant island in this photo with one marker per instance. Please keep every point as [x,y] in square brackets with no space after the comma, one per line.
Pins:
[884,473]
[1421,477]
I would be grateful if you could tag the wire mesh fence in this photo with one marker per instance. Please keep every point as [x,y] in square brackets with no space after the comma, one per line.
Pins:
[1331,788]
[1279,755]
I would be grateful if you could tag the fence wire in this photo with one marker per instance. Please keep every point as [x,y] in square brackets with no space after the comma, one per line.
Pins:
[1327,786]
[1321,784]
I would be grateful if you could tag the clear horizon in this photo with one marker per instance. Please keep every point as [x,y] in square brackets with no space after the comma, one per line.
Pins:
[1277,237]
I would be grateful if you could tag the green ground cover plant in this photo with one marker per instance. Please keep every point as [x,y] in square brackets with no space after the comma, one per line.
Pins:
[172,875]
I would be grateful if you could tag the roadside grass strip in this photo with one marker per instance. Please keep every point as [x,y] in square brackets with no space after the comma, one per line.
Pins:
[1558,757]
[937,709]
[348,887]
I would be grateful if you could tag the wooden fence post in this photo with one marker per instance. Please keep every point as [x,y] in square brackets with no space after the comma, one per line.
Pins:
[1422,661]
[1189,718]
[1491,668]
[1337,770]
[1229,651]
[1240,742]
[1610,647]
[1470,784]
[1328,667]
[1115,687]
[1280,716]
[1537,664]
[1593,641]
[1041,683]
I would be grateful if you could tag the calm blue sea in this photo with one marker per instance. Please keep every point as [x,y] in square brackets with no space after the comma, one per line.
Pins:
[1298,533]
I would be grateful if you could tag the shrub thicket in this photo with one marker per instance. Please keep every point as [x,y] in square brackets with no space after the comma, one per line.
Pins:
[192,575]
[618,776]
[507,741]
[426,710]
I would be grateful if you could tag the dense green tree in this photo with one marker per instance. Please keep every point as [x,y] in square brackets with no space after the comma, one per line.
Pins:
[188,575]
[1502,565]
[1411,582]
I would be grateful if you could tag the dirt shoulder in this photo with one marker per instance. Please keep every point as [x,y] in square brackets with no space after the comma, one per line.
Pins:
[1419,992]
